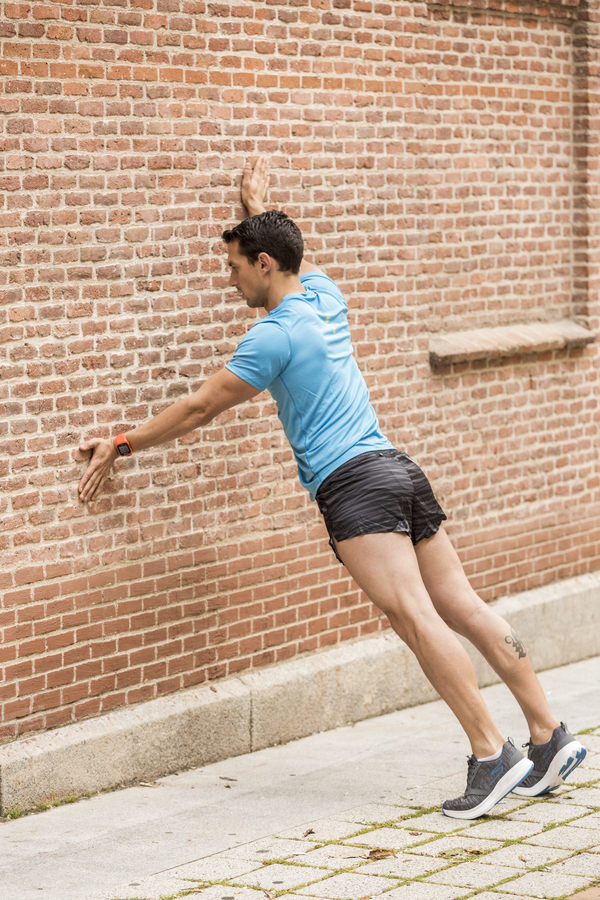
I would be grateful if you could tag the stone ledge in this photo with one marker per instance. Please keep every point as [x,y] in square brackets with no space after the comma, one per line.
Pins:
[556,9]
[506,340]
[559,624]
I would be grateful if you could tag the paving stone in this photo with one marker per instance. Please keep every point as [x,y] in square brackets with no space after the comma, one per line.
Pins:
[348,885]
[581,864]
[322,830]
[279,877]
[424,797]
[214,868]
[418,890]
[505,830]
[437,822]
[389,838]
[547,813]
[589,771]
[151,888]
[566,793]
[545,884]
[226,892]
[589,821]
[451,784]
[509,804]
[375,812]
[266,848]
[474,875]
[586,797]
[335,856]
[567,837]
[405,865]
[455,842]
[524,856]
[494,895]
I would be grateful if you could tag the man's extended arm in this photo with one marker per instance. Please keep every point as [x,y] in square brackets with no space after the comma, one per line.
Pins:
[219,392]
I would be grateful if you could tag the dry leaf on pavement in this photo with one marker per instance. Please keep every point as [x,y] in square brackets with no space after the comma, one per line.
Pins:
[378,853]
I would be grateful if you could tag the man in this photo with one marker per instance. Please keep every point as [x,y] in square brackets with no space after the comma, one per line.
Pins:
[384,522]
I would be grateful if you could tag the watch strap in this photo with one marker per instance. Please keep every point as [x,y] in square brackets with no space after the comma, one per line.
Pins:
[123,446]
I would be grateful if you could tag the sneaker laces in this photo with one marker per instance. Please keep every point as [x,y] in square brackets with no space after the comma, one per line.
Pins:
[471,769]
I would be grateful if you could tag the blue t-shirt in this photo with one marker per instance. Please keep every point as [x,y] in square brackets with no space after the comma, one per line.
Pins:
[301,352]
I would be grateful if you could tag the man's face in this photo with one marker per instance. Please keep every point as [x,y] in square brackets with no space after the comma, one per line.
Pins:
[246,277]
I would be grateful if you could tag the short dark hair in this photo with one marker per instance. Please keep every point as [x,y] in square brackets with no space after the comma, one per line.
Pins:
[271,232]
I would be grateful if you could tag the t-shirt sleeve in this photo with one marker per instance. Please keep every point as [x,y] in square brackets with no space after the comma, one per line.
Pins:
[320,283]
[262,355]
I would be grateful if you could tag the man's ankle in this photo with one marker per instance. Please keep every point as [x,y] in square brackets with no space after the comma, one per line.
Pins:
[542,734]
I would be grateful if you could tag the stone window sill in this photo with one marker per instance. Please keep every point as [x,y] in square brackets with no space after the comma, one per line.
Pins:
[506,340]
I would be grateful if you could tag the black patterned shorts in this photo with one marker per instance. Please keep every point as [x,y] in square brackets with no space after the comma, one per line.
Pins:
[377,492]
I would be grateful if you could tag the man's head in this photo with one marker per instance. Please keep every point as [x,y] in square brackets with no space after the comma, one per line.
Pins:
[259,247]
[271,232]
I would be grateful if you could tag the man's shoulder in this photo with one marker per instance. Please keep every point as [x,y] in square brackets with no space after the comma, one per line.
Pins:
[318,277]
[321,283]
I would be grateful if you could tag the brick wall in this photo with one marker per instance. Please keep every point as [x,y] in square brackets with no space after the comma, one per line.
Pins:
[441,161]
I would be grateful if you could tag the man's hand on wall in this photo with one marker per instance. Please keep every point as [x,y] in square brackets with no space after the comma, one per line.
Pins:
[103,454]
[255,182]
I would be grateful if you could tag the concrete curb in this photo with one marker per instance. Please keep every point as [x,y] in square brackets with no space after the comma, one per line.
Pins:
[559,624]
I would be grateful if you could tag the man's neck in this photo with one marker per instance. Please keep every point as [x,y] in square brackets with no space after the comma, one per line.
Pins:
[281,286]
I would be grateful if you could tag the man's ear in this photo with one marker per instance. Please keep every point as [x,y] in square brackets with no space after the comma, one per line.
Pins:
[265,263]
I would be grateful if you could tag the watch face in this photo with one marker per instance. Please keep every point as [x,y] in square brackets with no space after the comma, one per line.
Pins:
[124,449]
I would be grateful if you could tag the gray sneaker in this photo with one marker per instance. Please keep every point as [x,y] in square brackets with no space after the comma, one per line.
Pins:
[488,782]
[552,762]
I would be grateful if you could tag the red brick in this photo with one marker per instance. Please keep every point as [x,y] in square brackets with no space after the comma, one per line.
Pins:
[421,193]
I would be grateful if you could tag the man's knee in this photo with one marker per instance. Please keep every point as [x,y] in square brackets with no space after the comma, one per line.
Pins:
[464,613]
[416,627]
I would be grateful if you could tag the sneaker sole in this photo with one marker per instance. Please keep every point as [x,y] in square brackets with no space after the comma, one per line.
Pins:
[567,759]
[513,777]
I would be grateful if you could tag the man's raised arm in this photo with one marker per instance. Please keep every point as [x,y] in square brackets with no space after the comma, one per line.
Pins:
[255,183]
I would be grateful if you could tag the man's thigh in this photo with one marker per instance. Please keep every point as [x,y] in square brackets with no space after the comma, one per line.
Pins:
[445,580]
[385,567]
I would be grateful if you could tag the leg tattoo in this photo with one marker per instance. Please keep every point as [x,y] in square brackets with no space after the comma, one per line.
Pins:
[517,643]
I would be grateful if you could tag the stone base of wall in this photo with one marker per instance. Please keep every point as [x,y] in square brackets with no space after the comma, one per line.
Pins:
[559,624]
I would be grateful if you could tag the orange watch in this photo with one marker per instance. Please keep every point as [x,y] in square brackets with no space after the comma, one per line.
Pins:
[123,446]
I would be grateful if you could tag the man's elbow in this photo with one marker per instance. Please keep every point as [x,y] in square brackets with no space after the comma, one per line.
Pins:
[199,411]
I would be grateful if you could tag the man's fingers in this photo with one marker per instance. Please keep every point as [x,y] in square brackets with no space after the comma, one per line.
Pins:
[91,488]
[95,490]
[255,181]
[86,485]
[82,453]
[262,167]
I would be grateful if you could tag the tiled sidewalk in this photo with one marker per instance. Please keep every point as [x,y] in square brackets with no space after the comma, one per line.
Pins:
[406,849]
